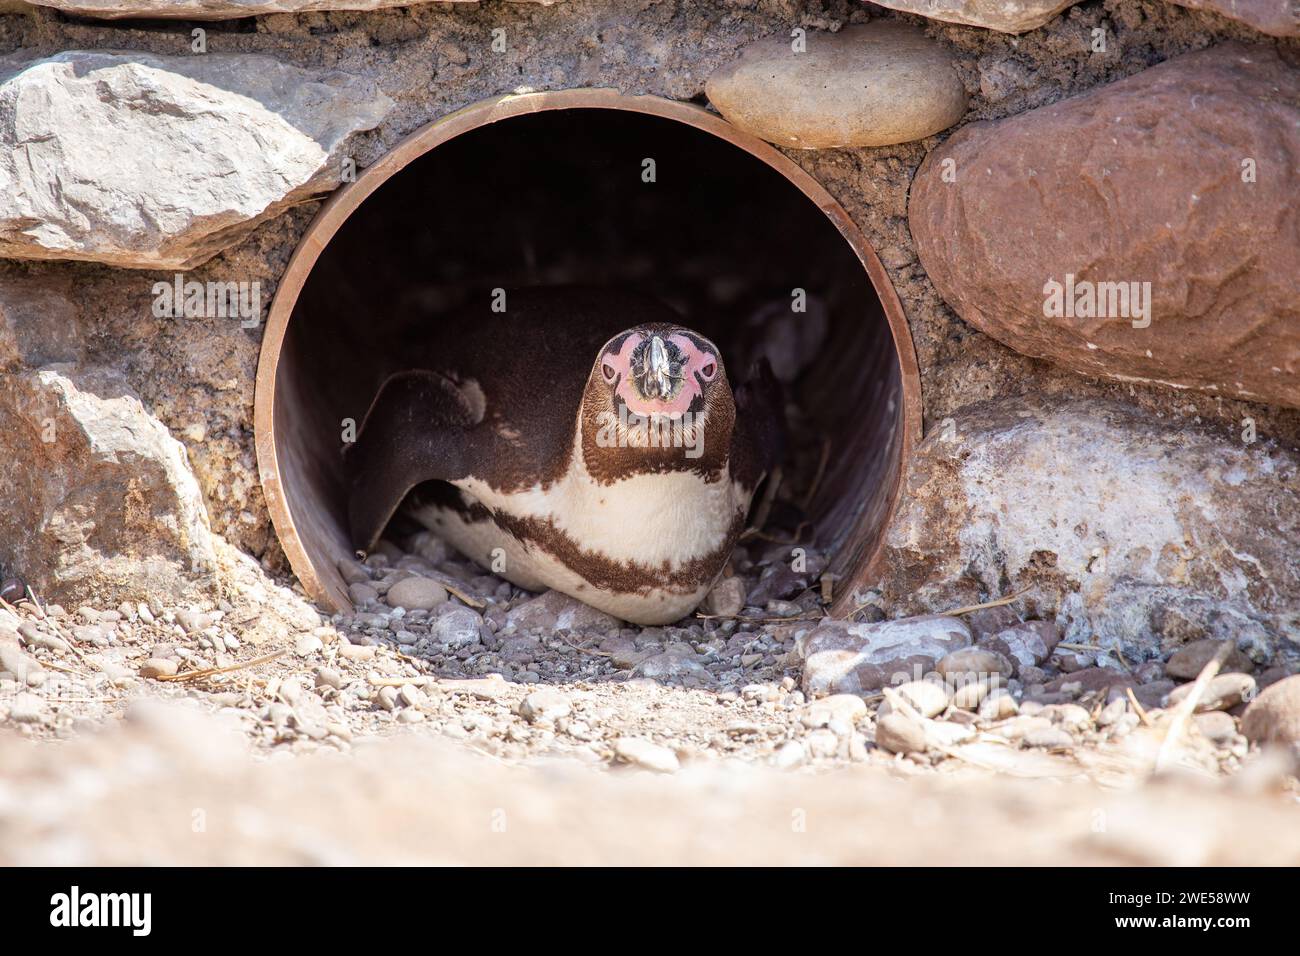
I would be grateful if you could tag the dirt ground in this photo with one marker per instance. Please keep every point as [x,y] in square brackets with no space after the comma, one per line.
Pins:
[534,732]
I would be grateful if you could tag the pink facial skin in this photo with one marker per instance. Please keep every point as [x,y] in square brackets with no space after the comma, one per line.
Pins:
[700,364]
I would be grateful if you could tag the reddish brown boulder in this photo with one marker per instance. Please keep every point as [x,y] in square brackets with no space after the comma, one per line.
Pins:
[1274,716]
[1279,18]
[1147,230]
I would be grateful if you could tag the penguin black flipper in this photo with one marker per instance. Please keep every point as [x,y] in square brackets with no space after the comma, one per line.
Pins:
[760,440]
[419,427]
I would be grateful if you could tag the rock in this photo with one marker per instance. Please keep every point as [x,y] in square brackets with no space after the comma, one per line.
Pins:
[778,581]
[928,697]
[998,705]
[22,665]
[215,9]
[456,626]
[846,707]
[790,755]
[1222,693]
[416,594]
[1167,152]
[674,662]
[307,645]
[1274,716]
[867,85]
[1148,518]
[28,709]
[362,594]
[1026,644]
[1187,662]
[328,677]
[900,735]
[1069,716]
[1049,738]
[1216,726]
[970,695]
[852,658]
[357,652]
[647,755]
[1005,16]
[1279,18]
[40,323]
[108,508]
[158,667]
[555,610]
[544,705]
[822,744]
[726,598]
[159,162]
[971,664]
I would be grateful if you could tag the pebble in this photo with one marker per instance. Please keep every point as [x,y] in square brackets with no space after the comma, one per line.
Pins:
[969,696]
[1051,738]
[900,735]
[387,698]
[972,664]
[326,677]
[456,627]
[158,667]
[1069,716]
[822,744]
[307,645]
[544,705]
[1274,716]
[27,709]
[1224,692]
[22,665]
[412,696]
[927,696]
[1188,661]
[846,707]
[726,598]
[416,593]
[999,705]
[362,594]
[357,652]
[410,716]
[790,755]
[1216,726]
[649,756]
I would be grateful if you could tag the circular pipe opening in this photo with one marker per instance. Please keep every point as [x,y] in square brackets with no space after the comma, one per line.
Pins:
[551,188]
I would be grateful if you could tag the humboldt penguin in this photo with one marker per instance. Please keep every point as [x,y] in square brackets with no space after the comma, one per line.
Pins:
[583,440]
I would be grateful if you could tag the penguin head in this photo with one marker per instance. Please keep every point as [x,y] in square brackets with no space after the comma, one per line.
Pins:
[659,394]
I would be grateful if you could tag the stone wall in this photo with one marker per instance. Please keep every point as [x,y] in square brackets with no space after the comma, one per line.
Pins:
[120,167]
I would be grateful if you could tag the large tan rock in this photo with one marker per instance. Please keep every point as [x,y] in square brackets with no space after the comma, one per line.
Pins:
[1279,18]
[99,502]
[1121,527]
[160,162]
[223,9]
[1005,16]
[1274,716]
[1177,186]
[868,85]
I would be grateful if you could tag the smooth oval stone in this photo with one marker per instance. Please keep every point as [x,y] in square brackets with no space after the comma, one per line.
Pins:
[868,85]
[1005,16]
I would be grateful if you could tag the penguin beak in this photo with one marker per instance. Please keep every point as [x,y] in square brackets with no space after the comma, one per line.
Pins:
[657,381]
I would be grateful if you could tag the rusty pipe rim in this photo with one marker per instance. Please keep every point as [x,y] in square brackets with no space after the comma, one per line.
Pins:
[346,200]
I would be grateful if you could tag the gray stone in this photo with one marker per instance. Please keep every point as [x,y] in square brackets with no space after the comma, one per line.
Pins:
[726,598]
[840,657]
[1222,693]
[544,705]
[647,755]
[416,594]
[1005,16]
[1187,662]
[158,162]
[1110,517]
[1050,738]
[1279,18]
[555,610]
[867,85]
[158,667]
[107,508]
[900,735]
[456,627]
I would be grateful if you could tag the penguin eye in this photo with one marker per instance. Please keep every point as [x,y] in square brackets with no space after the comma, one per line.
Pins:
[607,370]
[709,370]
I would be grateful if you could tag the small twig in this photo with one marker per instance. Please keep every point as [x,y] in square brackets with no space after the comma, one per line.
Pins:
[1080,647]
[1138,708]
[585,650]
[1000,602]
[1175,731]
[213,671]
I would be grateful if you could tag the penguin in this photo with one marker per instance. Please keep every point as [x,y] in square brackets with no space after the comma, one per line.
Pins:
[585,441]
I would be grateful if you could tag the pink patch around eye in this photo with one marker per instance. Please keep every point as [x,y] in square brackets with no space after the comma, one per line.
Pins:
[697,359]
